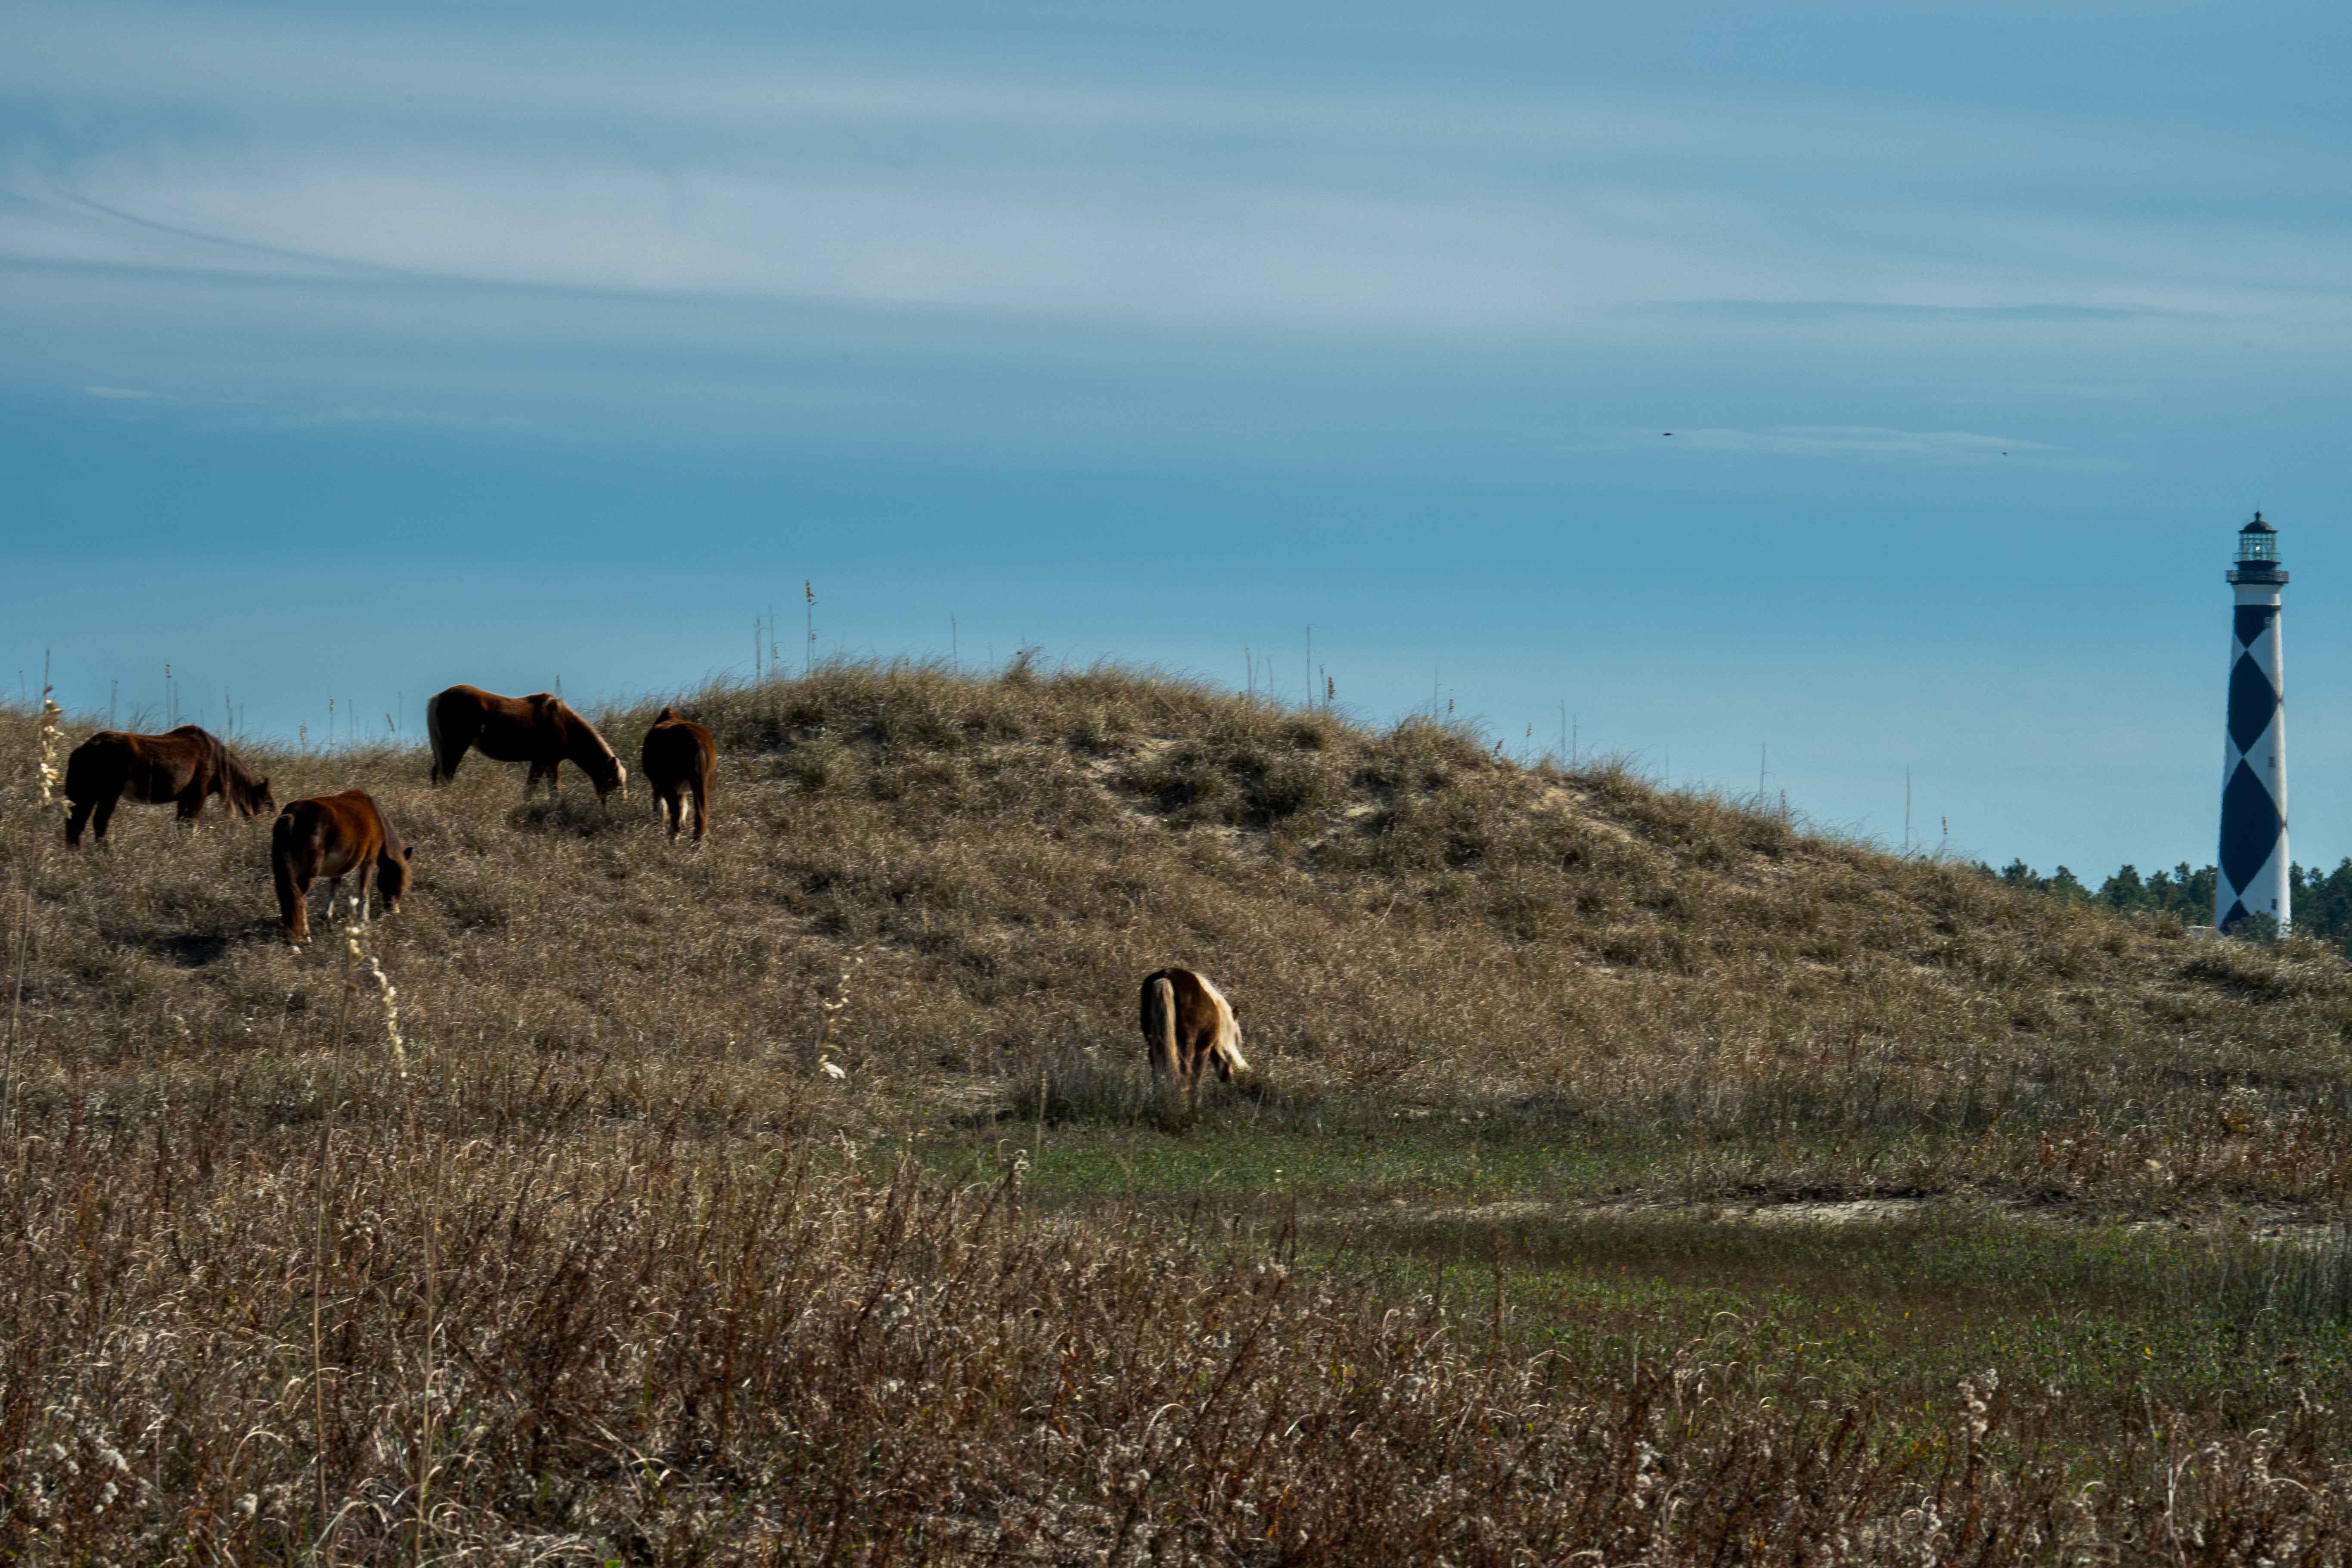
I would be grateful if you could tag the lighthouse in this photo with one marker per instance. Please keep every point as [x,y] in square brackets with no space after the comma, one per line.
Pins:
[2253,858]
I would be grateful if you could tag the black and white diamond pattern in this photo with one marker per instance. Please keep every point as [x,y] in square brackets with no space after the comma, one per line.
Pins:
[2254,858]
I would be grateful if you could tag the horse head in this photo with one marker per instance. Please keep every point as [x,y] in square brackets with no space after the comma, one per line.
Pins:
[608,774]
[394,879]
[251,796]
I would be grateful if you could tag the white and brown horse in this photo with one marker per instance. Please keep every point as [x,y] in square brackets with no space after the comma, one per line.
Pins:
[183,766]
[540,729]
[1189,1026]
[334,836]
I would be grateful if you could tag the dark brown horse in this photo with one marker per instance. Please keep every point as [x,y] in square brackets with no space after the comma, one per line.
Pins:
[540,729]
[1188,1025]
[183,766]
[333,836]
[678,758]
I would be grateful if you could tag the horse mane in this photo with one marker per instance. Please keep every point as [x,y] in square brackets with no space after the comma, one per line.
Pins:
[239,777]
[237,786]
[1228,1042]
[570,724]
[393,878]
[591,732]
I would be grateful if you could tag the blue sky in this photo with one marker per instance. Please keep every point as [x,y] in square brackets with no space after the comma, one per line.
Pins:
[350,352]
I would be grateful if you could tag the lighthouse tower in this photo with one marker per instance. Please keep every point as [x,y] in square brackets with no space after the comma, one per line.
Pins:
[2253,859]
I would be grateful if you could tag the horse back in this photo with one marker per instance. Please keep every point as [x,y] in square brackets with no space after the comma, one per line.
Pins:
[676,752]
[1205,1026]
[99,765]
[152,768]
[1188,1000]
[503,729]
[330,836]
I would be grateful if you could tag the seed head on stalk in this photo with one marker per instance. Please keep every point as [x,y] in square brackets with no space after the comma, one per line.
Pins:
[390,996]
[51,776]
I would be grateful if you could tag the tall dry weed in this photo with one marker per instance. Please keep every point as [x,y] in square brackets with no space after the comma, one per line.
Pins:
[664,1359]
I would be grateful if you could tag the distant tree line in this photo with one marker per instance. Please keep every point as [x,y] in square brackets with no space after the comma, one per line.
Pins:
[2322,899]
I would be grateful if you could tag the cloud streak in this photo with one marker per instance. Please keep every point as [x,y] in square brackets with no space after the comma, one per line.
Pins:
[1030,248]
[1860,441]
[212,141]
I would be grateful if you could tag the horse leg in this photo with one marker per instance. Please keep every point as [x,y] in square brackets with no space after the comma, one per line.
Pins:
[701,812]
[1196,1068]
[106,805]
[79,820]
[294,906]
[190,803]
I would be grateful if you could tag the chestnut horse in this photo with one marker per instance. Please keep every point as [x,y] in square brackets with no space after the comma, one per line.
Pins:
[540,729]
[1187,1025]
[332,836]
[680,758]
[183,766]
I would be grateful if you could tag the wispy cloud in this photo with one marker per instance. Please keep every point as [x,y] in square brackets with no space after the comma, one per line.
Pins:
[571,216]
[128,395]
[1856,441]
[1809,312]
[432,418]
[237,143]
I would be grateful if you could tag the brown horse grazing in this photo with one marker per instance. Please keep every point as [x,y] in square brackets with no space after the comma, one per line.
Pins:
[183,766]
[332,836]
[680,758]
[1187,1025]
[540,729]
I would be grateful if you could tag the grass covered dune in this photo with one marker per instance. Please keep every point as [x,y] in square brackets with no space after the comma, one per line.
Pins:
[561,1242]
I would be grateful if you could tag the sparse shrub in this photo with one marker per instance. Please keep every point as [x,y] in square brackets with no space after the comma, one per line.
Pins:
[820,763]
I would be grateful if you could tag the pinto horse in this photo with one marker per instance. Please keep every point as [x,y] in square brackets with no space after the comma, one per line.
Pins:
[678,758]
[332,836]
[540,729]
[1188,1025]
[183,767]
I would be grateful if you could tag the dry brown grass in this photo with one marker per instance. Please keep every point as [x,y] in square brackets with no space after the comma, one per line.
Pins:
[649,1359]
[667,1327]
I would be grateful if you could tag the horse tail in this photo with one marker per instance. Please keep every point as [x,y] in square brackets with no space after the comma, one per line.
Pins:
[706,767]
[81,771]
[442,767]
[1160,1027]
[84,787]
[282,868]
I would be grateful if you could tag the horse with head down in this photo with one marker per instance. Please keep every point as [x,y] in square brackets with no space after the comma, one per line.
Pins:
[1189,1026]
[540,729]
[334,836]
[183,766]
[679,758]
